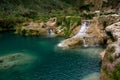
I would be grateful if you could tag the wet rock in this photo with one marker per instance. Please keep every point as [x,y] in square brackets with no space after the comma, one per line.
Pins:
[91,35]
[70,42]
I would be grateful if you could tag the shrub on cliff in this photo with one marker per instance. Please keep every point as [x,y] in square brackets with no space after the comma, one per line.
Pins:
[116,73]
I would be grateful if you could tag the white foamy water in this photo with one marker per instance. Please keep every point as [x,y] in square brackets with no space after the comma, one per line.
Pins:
[81,33]
[82,30]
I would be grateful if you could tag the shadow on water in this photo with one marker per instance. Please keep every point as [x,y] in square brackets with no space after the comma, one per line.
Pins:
[50,63]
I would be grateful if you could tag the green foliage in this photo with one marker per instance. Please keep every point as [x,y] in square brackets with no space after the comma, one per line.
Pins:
[111,58]
[105,70]
[79,3]
[67,23]
[30,8]
[87,16]
[23,32]
[116,73]
[86,7]
[111,49]
[67,30]
[9,22]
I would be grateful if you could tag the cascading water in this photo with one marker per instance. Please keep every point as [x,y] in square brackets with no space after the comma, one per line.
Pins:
[82,31]
[84,43]
[51,32]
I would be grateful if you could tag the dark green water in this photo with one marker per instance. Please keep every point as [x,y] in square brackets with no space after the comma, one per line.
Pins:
[51,63]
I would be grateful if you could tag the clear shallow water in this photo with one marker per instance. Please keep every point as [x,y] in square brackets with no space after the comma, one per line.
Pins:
[51,63]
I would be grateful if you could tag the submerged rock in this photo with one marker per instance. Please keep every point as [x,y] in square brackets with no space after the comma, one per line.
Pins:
[93,76]
[16,59]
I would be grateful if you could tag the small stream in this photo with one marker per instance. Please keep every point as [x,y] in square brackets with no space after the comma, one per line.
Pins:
[51,63]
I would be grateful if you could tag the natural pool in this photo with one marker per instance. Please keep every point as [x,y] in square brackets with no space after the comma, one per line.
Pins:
[51,63]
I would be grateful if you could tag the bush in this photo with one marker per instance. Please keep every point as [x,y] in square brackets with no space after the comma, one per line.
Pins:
[67,24]
[116,73]
[111,49]
[87,15]
[111,58]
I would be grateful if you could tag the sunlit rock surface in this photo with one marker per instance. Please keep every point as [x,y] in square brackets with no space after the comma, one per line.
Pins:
[115,30]
[90,34]
[38,28]
[111,59]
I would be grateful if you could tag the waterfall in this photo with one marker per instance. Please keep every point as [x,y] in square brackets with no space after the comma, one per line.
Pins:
[82,30]
[84,43]
[81,33]
[51,32]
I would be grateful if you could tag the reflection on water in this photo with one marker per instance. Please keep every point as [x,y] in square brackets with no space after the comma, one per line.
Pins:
[51,63]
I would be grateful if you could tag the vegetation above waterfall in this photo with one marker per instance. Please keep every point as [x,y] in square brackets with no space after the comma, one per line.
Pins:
[17,11]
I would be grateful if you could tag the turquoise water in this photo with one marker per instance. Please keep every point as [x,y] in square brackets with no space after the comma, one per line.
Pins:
[51,63]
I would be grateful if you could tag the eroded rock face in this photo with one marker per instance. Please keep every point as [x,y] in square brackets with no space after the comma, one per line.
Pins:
[115,30]
[32,29]
[37,28]
[90,35]
[111,60]
[13,60]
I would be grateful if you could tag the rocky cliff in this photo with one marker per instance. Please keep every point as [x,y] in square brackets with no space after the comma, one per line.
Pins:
[93,5]
[111,60]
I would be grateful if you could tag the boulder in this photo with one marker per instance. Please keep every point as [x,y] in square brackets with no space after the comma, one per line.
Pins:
[114,29]
[70,42]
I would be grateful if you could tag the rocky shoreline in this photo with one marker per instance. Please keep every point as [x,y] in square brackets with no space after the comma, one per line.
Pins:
[100,30]
[111,57]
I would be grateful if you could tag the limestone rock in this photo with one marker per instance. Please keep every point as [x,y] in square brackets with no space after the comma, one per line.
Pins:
[70,42]
[110,64]
[51,22]
[91,35]
[102,54]
[114,29]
